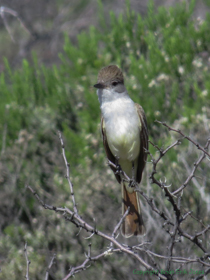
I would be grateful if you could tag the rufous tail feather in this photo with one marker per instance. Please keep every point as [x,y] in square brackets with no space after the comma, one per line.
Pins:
[133,223]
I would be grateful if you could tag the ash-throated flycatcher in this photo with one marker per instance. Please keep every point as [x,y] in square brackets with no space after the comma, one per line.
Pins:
[125,138]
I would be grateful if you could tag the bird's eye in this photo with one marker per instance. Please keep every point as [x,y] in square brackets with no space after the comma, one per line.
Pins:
[114,84]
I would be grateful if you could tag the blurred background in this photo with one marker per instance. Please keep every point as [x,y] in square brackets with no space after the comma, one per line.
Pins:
[46,21]
[50,54]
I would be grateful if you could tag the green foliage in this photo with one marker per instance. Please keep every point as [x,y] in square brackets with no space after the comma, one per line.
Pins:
[159,53]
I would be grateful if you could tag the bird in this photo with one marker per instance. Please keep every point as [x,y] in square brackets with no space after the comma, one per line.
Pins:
[125,139]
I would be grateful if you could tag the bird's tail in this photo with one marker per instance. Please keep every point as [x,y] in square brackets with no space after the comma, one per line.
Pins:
[133,223]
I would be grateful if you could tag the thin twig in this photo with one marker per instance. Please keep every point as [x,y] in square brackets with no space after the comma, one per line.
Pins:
[68,174]
[27,262]
[49,267]
[186,137]
[5,10]
[119,224]
[162,185]
[192,174]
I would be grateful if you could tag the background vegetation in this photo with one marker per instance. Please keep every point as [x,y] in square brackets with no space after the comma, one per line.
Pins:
[165,56]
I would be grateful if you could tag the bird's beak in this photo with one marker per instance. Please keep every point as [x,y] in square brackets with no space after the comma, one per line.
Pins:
[99,85]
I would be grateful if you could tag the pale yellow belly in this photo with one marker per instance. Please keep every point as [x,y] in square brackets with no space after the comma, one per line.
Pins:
[125,149]
[125,145]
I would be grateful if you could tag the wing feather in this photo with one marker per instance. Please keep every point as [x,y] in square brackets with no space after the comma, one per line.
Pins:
[143,143]
[109,154]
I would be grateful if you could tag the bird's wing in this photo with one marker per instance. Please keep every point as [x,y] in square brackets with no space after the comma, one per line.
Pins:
[143,143]
[109,154]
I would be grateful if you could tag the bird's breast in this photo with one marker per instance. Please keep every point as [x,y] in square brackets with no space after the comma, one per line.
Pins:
[122,127]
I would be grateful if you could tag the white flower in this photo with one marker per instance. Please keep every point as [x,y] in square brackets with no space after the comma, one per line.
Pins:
[157,113]
[199,20]
[80,88]
[197,63]
[152,83]
[166,59]
[79,60]
[181,70]
[198,43]
[183,120]
[162,77]
[79,105]
[204,92]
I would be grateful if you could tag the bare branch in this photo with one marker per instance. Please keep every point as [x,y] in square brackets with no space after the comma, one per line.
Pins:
[5,10]
[196,164]
[68,174]
[49,267]
[79,222]
[27,262]
[120,222]
[187,137]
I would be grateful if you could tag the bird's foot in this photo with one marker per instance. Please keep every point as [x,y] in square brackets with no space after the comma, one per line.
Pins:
[118,167]
[118,170]
[132,183]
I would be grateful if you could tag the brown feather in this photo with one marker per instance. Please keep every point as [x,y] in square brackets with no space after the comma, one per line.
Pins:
[143,143]
[109,74]
[109,154]
[133,223]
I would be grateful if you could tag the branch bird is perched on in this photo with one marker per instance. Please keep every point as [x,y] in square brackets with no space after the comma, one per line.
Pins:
[125,138]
